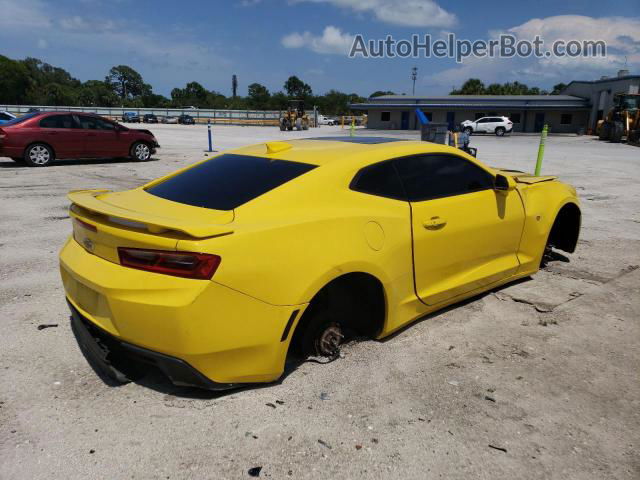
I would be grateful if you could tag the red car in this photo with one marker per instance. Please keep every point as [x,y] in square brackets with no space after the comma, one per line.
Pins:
[39,138]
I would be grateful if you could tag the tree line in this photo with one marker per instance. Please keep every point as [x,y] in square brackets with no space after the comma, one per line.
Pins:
[474,86]
[33,82]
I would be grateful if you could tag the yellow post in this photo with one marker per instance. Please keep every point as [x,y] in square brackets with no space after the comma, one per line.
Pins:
[342,121]
[455,139]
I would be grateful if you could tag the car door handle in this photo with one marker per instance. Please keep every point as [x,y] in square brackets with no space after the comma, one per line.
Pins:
[91,134]
[53,133]
[434,223]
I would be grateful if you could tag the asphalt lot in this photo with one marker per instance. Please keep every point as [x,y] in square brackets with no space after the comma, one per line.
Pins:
[536,380]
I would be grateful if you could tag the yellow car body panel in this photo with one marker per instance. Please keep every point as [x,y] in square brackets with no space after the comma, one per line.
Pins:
[281,248]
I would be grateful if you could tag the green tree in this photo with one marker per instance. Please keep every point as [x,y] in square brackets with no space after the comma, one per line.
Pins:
[258,96]
[296,88]
[473,86]
[14,81]
[95,93]
[278,101]
[558,88]
[127,83]
[380,93]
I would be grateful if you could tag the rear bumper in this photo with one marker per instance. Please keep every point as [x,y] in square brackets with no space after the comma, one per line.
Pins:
[102,347]
[226,336]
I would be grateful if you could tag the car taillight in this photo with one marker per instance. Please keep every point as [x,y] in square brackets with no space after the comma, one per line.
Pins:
[200,266]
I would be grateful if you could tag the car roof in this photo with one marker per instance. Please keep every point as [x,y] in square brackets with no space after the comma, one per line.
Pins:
[345,150]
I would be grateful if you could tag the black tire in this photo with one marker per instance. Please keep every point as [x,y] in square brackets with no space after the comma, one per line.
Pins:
[320,331]
[140,151]
[298,124]
[634,137]
[605,131]
[467,130]
[500,131]
[617,131]
[38,155]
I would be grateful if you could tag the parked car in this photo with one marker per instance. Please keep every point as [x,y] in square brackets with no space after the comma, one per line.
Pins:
[186,119]
[169,119]
[217,276]
[322,120]
[40,138]
[150,118]
[131,117]
[497,125]
[6,116]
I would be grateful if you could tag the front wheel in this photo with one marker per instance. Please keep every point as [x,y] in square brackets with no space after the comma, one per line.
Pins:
[500,131]
[140,152]
[617,132]
[468,130]
[38,155]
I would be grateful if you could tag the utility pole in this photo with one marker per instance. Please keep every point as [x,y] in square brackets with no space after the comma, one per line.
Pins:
[414,76]
[234,85]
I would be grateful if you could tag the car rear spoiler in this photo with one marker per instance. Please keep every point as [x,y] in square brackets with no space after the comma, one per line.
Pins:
[88,200]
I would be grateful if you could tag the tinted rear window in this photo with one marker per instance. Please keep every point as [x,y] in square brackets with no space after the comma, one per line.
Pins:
[228,181]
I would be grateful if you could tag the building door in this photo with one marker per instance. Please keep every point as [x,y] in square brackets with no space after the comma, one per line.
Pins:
[538,123]
[404,122]
[451,120]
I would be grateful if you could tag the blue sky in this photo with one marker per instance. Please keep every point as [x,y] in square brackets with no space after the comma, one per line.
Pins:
[171,43]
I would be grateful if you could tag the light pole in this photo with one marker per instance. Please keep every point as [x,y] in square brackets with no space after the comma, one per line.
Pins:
[414,75]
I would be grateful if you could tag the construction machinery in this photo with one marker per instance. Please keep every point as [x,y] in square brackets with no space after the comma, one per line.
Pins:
[294,117]
[623,120]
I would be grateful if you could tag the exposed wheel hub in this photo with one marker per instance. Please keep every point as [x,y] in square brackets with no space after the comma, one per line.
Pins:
[328,343]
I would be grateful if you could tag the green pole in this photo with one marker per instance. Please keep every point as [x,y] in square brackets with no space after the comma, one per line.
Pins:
[543,137]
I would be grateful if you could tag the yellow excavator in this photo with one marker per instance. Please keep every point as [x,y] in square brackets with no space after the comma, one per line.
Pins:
[294,117]
[623,120]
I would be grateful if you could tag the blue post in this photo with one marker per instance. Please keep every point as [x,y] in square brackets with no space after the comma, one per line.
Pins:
[209,134]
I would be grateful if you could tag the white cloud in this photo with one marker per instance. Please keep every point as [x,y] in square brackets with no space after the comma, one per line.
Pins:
[332,41]
[90,36]
[409,13]
[622,36]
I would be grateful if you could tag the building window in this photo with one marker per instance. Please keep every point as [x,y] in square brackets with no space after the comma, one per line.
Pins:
[479,115]
[385,116]
[514,117]
[566,119]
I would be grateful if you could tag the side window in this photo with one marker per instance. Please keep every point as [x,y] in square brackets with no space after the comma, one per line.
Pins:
[103,124]
[88,123]
[484,120]
[380,179]
[4,116]
[57,121]
[385,116]
[439,175]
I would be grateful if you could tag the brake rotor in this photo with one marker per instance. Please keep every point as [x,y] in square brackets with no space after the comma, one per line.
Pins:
[328,343]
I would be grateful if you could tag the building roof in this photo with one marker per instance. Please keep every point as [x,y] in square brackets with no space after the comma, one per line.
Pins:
[475,101]
[430,98]
[605,80]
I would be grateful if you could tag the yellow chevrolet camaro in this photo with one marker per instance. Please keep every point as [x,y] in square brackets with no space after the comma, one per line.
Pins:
[221,271]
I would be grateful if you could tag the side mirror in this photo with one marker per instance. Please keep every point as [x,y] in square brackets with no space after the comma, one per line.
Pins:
[503,183]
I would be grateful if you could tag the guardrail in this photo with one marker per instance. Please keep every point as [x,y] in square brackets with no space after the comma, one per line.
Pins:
[215,116]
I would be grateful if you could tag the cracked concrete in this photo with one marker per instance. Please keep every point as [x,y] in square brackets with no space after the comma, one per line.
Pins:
[493,388]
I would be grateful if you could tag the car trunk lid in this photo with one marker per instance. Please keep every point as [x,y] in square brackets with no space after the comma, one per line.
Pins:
[104,221]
